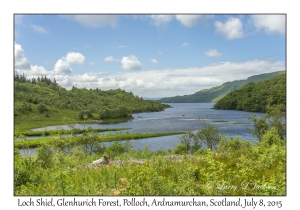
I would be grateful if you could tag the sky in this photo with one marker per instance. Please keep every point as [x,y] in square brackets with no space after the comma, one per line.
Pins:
[153,56]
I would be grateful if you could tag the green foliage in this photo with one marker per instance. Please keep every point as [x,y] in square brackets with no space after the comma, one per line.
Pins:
[271,137]
[190,142]
[256,96]
[26,171]
[181,149]
[274,118]
[41,108]
[115,149]
[73,130]
[210,135]
[214,94]
[233,144]
[85,114]
[44,155]
[60,142]
[236,168]
[25,107]
[35,97]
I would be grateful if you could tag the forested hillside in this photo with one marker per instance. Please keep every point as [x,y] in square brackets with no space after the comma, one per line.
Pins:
[41,99]
[214,94]
[256,96]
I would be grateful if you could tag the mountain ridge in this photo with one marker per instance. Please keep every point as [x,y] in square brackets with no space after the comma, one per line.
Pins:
[214,94]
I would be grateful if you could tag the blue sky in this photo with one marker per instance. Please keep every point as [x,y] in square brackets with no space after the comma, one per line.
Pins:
[150,55]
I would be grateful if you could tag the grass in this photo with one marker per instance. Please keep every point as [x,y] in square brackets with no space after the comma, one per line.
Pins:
[62,131]
[220,121]
[76,140]
[240,123]
[28,120]
[232,122]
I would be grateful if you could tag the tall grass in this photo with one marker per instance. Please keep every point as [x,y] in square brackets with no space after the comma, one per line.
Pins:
[234,168]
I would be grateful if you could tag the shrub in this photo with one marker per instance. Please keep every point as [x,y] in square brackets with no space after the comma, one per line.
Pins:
[41,108]
[270,138]
[180,149]
[44,156]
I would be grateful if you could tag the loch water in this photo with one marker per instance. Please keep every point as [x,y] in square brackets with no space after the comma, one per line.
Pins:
[181,117]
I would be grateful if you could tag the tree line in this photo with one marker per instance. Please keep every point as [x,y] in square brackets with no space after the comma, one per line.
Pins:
[256,96]
[46,95]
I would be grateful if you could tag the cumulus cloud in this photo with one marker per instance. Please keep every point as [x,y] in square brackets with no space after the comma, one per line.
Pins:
[270,23]
[171,82]
[188,20]
[94,21]
[39,29]
[161,20]
[21,63]
[150,83]
[232,28]
[185,20]
[184,44]
[76,58]
[63,66]
[110,58]
[154,61]
[131,62]
[213,53]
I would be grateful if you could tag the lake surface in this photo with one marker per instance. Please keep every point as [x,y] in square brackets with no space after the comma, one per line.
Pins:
[181,117]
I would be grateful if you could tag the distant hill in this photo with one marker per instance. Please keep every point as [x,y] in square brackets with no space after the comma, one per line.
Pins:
[41,101]
[256,96]
[214,94]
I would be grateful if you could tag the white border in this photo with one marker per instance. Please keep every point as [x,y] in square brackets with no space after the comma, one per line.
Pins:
[8,201]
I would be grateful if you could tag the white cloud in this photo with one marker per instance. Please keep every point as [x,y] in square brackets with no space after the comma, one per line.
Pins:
[213,53]
[171,82]
[110,58]
[159,53]
[39,70]
[232,29]
[168,82]
[189,20]
[150,83]
[154,61]
[269,23]
[63,66]
[76,58]
[94,21]
[21,63]
[184,44]
[131,62]
[161,20]
[92,63]
[39,29]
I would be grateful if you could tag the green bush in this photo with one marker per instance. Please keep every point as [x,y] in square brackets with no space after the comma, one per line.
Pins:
[271,137]
[44,155]
[41,108]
